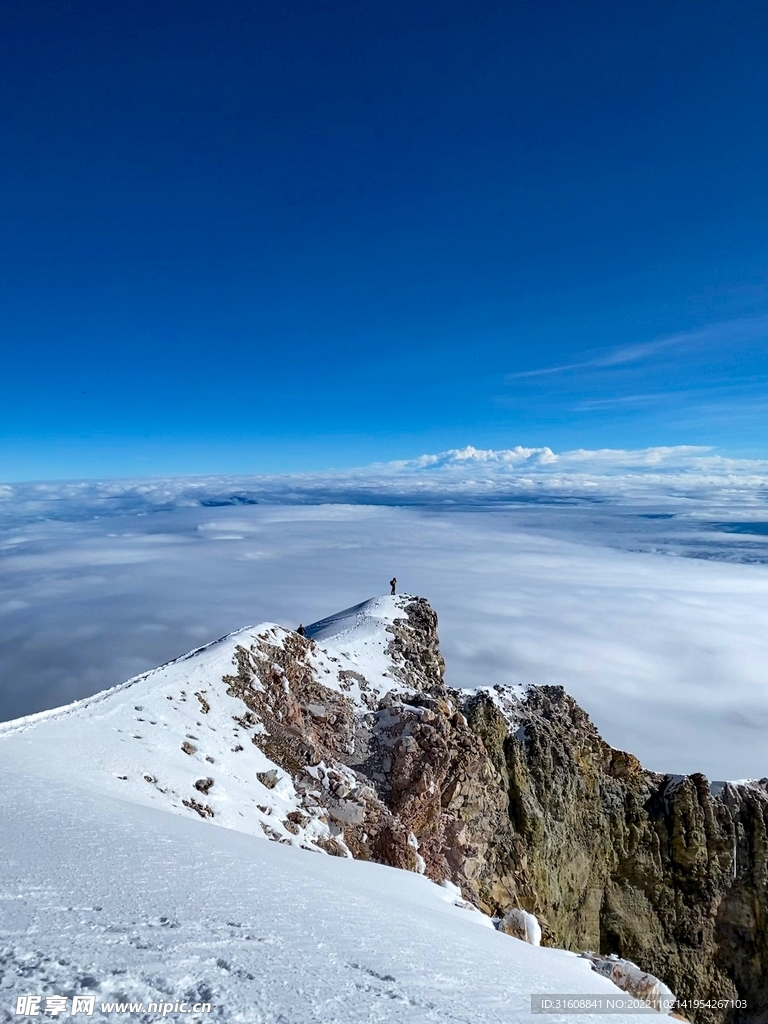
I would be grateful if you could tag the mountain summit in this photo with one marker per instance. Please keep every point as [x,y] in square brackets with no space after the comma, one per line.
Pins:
[347,740]
[191,737]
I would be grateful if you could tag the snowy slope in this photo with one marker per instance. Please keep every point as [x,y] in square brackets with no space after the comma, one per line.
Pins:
[103,891]
[358,635]
[102,896]
[152,738]
[129,741]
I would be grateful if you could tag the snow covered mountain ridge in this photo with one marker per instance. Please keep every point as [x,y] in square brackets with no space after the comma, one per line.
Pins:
[191,736]
[347,741]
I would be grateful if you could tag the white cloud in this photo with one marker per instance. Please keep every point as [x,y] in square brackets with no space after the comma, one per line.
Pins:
[714,336]
[618,356]
[545,566]
[667,654]
[660,475]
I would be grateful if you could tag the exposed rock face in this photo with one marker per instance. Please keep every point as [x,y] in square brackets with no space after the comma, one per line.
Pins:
[649,867]
[521,925]
[512,795]
[638,984]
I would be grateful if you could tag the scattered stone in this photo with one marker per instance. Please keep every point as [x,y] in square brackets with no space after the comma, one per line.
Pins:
[629,978]
[202,809]
[318,711]
[521,925]
[272,833]
[268,779]
[347,812]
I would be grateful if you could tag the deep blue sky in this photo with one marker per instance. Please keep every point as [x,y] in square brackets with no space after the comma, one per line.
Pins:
[245,236]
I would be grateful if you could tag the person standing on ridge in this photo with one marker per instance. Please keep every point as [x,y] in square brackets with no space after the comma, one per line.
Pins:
[393,584]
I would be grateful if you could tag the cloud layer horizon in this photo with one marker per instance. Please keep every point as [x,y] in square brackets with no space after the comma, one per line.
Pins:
[662,476]
[636,580]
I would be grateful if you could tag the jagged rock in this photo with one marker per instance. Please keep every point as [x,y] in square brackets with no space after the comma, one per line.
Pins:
[204,810]
[521,925]
[346,812]
[511,795]
[630,979]
[638,864]
[268,779]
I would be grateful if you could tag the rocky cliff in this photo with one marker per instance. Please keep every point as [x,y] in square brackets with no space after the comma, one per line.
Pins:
[511,794]
[348,740]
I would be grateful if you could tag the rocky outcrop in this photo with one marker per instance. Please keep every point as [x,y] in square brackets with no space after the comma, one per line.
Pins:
[512,795]
[521,925]
[659,870]
[630,979]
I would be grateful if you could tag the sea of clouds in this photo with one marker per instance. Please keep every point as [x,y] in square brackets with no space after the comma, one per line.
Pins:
[682,477]
[637,580]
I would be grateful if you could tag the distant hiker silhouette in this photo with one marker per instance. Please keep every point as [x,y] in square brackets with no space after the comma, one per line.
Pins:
[393,584]
[301,631]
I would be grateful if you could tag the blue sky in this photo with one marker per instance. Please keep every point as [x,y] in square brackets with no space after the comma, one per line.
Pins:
[242,237]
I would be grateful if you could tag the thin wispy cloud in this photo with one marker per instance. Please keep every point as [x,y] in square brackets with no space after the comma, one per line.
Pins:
[645,399]
[619,356]
[638,353]
[711,397]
